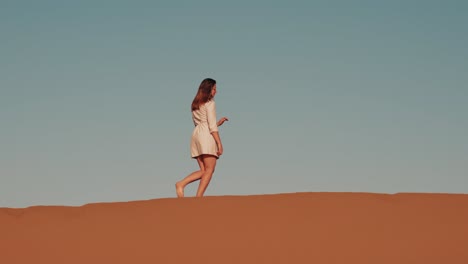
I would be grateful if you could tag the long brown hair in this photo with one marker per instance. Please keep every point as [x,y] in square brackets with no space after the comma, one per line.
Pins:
[204,93]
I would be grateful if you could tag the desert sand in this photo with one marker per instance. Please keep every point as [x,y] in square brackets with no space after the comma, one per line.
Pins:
[280,228]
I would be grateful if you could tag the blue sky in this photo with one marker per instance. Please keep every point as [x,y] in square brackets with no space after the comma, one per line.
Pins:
[322,96]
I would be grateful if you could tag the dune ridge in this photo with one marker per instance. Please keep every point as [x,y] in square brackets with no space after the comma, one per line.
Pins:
[315,227]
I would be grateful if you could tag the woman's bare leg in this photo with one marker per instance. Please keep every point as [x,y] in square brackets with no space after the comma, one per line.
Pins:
[209,163]
[180,185]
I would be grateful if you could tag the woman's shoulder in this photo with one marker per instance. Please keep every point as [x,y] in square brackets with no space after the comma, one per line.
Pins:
[210,103]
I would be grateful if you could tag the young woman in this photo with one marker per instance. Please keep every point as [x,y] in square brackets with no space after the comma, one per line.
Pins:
[206,144]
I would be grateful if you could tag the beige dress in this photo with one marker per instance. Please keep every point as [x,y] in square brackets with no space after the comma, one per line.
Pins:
[204,120]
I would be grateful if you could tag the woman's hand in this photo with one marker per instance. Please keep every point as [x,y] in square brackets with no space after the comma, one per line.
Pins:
[221,121]
[220,150]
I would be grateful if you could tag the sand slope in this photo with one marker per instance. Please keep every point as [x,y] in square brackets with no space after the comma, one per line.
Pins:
[282,228]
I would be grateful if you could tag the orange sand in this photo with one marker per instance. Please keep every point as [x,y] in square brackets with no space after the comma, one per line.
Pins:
[284,228]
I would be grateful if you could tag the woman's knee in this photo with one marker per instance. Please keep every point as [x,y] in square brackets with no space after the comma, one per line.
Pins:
[209,171]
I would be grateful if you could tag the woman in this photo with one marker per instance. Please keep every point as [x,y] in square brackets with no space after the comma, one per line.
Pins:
[206,144]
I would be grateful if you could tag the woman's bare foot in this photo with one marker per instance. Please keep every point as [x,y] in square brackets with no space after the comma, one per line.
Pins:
[179,190]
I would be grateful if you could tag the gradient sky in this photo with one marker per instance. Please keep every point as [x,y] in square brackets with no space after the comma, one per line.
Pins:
[322,96]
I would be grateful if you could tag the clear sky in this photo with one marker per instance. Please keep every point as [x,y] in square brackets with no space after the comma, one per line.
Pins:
[322,96]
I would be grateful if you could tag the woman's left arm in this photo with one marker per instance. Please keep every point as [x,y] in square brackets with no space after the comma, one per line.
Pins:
[222,120]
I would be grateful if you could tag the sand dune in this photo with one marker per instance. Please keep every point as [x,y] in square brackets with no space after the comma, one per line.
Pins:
[282,228]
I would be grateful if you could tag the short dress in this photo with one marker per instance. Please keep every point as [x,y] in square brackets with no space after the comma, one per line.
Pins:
[204,120]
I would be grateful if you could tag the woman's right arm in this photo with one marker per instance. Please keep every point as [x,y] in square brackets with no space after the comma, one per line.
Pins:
[213,125]
[218,142]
